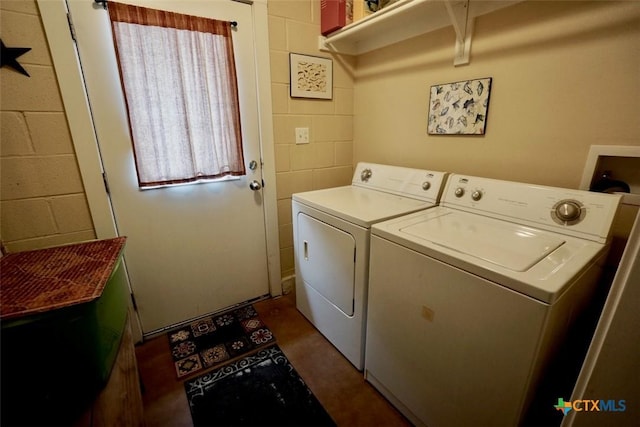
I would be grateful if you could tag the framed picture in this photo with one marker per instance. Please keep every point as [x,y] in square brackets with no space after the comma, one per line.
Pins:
[459,107]
[310,76]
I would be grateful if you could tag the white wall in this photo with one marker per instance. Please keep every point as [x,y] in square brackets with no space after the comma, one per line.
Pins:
[565,76]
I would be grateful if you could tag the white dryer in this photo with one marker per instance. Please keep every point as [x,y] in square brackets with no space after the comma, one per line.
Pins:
[331,231]
[469,300]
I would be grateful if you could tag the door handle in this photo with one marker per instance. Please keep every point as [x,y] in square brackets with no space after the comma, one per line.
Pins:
[255,185]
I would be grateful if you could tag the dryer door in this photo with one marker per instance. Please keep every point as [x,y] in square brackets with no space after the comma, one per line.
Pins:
[326,261]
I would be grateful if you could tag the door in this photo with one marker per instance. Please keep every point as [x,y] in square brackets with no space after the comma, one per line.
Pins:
[191,249]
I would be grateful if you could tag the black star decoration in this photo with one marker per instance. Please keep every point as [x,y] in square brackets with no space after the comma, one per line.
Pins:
[10,55]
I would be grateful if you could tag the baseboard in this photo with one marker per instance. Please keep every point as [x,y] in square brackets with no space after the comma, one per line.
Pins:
[288,284]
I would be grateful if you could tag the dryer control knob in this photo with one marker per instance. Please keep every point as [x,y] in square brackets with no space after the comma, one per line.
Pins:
[426,185]
[476,195]
[459,192]
[366,174]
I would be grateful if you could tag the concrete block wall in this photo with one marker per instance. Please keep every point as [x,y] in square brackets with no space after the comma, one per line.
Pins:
[42,199]
[327,161]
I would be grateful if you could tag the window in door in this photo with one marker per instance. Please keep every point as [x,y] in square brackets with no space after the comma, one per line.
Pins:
[180,85]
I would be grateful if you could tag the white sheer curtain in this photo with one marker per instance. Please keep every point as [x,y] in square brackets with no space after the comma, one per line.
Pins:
[179,80]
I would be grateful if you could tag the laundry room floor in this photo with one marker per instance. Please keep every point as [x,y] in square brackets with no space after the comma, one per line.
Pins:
[341,389]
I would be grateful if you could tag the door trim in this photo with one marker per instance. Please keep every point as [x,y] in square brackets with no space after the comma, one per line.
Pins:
[65,61]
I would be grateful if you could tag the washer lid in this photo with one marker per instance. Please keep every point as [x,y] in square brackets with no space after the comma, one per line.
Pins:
[508,245]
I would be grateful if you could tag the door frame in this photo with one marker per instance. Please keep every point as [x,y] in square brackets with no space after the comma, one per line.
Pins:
[78,112]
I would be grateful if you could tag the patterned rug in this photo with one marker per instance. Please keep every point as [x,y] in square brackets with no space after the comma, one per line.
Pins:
[214,340]
[262,389]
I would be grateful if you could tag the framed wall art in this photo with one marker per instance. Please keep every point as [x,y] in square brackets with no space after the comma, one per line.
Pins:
[310,76]
[459,107]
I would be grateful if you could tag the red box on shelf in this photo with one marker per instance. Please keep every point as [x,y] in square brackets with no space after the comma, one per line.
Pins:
[335,14]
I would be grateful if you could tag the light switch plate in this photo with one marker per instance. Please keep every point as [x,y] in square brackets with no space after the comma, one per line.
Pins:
[302,135]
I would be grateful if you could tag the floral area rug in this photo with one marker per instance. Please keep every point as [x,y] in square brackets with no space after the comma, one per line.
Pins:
[262,389]
[214,340]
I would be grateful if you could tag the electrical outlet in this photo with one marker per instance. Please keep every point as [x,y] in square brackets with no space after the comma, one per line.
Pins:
[302,135]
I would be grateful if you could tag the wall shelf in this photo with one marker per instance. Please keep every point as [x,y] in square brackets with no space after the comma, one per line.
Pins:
[405,19]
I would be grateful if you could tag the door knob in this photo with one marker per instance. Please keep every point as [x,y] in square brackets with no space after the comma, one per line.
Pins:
[255,185]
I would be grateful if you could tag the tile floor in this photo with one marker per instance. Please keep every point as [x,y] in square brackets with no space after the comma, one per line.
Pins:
[341,389]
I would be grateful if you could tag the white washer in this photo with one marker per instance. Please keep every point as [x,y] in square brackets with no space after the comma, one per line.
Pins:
[469,300]
[331,231]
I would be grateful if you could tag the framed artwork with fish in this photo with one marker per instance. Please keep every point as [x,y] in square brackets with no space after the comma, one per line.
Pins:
[310,76]
[459,108]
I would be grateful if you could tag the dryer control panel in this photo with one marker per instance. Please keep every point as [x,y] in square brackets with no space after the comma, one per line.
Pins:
[418,184]
[575,212]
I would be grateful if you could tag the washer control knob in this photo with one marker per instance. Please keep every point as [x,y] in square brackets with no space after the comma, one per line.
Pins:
[476,195]
[568,210]
[366,174]
[459,192]
[426,185]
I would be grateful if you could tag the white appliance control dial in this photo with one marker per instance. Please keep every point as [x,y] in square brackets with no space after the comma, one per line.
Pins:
[426,185]
[568,212]
[366,174]
[459,192]
[476,195]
